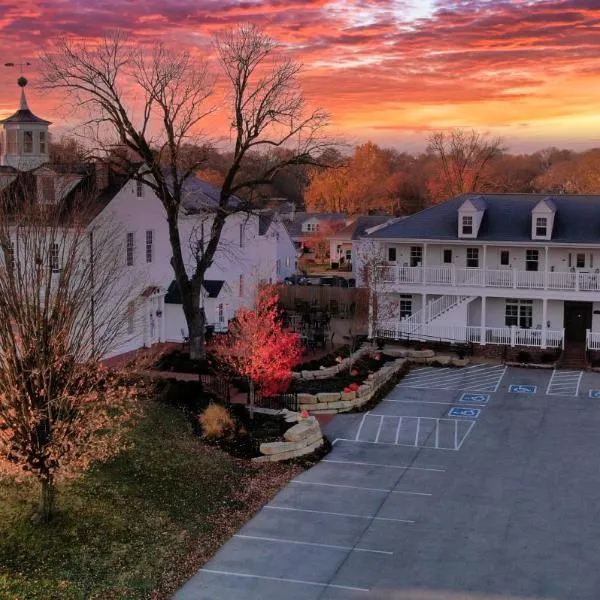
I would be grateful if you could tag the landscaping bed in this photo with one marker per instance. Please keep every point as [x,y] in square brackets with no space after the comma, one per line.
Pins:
[329,360]
[137,527]
[360,370]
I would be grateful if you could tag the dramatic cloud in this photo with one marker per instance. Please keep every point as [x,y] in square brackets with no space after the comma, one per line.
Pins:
[390,70]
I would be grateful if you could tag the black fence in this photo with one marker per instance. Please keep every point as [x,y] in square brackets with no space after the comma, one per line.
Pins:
[278,402]
[217,385]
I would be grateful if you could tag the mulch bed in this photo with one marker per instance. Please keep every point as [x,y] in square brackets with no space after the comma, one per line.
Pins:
[362,367]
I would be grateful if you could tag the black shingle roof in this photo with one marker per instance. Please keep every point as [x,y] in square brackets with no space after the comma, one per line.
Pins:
[212,287]
[24,115]
[507,218]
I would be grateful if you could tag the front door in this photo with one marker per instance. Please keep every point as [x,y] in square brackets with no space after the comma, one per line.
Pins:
[578,318]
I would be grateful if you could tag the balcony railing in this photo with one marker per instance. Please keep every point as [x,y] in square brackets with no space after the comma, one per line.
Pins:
[506,336]
[580,281]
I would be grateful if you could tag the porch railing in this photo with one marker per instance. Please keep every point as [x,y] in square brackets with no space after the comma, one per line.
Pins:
[574,280]
[508,336]
[592,340]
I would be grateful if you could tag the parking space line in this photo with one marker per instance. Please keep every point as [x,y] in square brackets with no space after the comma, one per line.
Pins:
[564,383]
[398,430]
[410,493]
[379,429]
[339,485]
[466,435]
[361,425]
[456,433]
[369,464]
[417,432]
[285,580]
[428,402]
[500,380]
[315,544]
[392,444]
[336,514]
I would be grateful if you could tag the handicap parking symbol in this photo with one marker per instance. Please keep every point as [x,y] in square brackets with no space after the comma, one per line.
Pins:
[522,389]
[473,398]
[595,394]
[464,412]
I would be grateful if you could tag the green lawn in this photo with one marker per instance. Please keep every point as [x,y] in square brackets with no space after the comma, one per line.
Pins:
[136,527]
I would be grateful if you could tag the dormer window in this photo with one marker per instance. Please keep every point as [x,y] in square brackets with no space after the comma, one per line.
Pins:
[467,225]
[541,227]
[42,142]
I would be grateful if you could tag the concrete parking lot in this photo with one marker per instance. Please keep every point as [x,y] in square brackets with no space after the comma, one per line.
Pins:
[477,484]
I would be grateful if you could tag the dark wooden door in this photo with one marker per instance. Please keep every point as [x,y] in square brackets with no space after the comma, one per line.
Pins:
[578,318]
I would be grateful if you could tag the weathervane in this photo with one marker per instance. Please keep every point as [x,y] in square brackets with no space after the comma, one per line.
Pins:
[20,65]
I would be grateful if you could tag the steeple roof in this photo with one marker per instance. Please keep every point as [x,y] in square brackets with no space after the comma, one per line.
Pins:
[23,115]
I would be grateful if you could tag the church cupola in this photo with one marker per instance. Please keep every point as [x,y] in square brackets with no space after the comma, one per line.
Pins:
[24,137]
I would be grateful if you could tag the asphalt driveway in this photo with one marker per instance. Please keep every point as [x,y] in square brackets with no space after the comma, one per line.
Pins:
[475,484]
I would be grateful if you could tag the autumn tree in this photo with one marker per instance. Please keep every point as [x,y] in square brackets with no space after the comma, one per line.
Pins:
[258,347]
[60,409]
[463,160]
[154,102]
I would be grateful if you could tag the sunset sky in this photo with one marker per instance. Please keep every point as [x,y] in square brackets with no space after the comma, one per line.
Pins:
[387,70]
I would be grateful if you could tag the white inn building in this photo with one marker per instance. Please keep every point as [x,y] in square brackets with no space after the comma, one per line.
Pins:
[506,269]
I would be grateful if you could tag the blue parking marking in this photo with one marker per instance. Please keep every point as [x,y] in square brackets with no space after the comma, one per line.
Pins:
[595,394]
[522,389]
[464,412]
[473,398]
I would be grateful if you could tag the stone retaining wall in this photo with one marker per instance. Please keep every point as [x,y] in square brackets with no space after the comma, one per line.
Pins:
[332,371]
[302,438]
[337,402]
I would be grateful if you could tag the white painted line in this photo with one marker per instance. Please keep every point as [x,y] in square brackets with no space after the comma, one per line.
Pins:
[336,514]
[398,429]
[466,435]
[452,378]
[427,402]
[315,544]
[550,382]
[392,444]
[456,435]
[410,493]
[500,380]
[379,428]
[578,383]
[339,485]
[437,434]
[369,464]
[417,433]
[285,580]
[361,426]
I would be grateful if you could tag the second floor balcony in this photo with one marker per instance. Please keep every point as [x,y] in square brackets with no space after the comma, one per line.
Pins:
[576,280]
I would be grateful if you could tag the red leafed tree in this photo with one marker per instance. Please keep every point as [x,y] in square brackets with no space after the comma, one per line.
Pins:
[258,347]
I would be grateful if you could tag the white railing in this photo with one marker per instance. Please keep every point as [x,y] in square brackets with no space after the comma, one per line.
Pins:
[592,339]
[583,281]
[505,336]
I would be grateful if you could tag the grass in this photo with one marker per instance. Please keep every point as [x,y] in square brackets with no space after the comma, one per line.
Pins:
[136,527]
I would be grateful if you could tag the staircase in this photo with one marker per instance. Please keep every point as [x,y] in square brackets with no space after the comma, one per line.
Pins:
[434,310]
[573,356]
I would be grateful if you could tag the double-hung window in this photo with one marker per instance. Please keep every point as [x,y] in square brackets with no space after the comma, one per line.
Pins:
[467,225]
[149,245]
[392,254]
[416,256]
[130,249]
[473,258]
[54,258]
[405,305]
[532,258]
[519,313]
[541,227]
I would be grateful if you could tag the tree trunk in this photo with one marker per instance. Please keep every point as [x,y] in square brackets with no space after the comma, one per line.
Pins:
[196,335]
[251,383]
[47,500]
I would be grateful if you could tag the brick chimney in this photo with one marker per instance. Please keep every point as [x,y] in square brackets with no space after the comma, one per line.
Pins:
[102,174]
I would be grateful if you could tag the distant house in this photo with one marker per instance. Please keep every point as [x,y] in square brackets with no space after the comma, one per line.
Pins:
[305,227]
[343,243]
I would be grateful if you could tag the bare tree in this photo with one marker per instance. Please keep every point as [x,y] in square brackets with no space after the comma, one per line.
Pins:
[59,408]
[464,157]
[267,112]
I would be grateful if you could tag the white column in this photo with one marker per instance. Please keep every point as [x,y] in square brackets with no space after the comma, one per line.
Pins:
[483,320]
[423,263]
[163,318]
[484,265]
[545,268]
[544,322]
[423,315]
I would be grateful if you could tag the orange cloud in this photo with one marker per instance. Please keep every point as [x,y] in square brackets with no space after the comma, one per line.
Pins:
[390,70]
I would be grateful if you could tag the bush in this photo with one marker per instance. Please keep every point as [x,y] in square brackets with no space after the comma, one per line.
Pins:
[216,422]
[547,358]
[523,357]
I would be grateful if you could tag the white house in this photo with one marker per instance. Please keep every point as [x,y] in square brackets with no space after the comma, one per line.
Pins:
[254,248]
[493,269]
